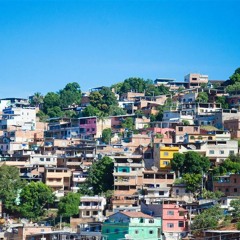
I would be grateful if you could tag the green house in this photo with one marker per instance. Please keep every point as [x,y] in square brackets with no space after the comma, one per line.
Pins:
[132,225]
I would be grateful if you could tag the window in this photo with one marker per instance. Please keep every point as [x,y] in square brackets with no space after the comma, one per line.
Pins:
[165,163]
[151,232]
[221,152]
[151,221]
[211,152]
[107,230]
[231,152]
[161,193]
[180,129]
[226,190]
[170,213]
[95,212]
[235,180]
[165,153]
[136,232]
[235,189]
[195,129]
[87,213]
[180,224]
[170,225]
[116,231]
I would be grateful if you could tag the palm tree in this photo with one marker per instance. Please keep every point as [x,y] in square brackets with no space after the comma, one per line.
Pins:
[37,99]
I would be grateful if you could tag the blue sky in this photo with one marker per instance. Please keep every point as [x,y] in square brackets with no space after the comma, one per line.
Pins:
[46,44]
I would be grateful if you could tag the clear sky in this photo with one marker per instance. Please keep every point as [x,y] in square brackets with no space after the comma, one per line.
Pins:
[46,44]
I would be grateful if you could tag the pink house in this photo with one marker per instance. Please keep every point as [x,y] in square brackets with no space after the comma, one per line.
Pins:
[88,126]
[174,219]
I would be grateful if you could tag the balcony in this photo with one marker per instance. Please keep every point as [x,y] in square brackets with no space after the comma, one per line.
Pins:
[79,179]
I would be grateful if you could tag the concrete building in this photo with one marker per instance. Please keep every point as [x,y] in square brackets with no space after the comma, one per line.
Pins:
[128,181]
[195,80]
[156,185]
[92,207]
[233,125]
[132,225]
[163,155]
[228,184]
[18,117]
[174,221]
[58,179]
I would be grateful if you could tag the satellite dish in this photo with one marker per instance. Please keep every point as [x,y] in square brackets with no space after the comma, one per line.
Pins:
[193,147]
[127,236]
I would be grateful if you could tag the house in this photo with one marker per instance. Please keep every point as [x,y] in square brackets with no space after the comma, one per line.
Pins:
[92,207]
[128,180]
[90,231]
[156,184]
[163,155]
[58,179]
[174,221]
[195,80]
[132,225]
[18,117]
[233,125]
[228,184]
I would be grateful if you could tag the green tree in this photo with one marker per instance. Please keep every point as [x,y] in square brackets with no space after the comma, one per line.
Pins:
[55,112]
[202,97]
[103,100]
[177,163]
[70,95]
[208,219]
[190,162]
[100,177]
[227,166]
[50,101]
[185,122]
[235,205]
[106,135]
[10,186]
[91,111]
[233,88]
[223,101]
[128,123]
[42,116]
[37,99]
[235,78]
[212,195]
[115,111]
[34,198]
[69,205]
[133,84]
[193,182]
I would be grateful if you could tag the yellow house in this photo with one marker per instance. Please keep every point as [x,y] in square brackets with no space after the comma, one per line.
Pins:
[166,156]
[163,154]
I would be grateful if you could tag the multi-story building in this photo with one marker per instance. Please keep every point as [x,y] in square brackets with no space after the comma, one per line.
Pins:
[92,207]
[174,221]
[23,118]
[128,180]
[59,179]
[182,132]
[195,80]
[163,155]
[78,177]
[156,185]
[233,125]
[228,184]
[132,225]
